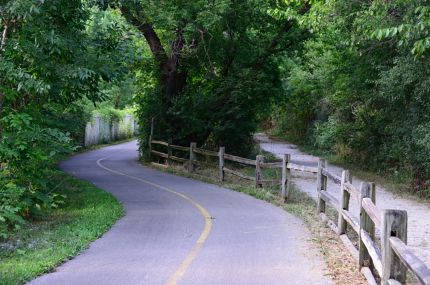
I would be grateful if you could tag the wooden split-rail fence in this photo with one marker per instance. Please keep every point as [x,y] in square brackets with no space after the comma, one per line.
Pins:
[386,258]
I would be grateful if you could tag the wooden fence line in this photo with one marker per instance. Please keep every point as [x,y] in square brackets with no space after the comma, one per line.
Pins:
[390,261]
[241,160]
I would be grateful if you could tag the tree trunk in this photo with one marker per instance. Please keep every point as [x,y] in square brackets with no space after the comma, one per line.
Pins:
[175,83]
[176,80]
[4,36]
[172,80]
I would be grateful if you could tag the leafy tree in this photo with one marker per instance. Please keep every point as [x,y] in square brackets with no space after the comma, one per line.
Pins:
[214,68]
[53,57]
[413,28]
[359,88]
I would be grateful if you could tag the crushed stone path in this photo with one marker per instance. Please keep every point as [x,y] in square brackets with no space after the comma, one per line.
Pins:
[418,213]
[182,231]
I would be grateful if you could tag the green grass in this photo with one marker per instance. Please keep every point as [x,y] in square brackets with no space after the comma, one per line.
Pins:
[60,234]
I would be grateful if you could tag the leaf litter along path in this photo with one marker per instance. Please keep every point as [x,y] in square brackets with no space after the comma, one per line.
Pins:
[178,230]
[418,213]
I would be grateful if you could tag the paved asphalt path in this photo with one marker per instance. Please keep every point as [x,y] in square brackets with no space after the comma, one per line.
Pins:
[182,231]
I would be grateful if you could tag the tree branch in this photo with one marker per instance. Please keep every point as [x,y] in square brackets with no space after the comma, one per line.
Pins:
[177,46]
[150,35]
[277,39]
[4,35]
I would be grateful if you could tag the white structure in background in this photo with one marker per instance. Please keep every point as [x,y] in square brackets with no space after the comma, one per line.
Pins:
[104,130]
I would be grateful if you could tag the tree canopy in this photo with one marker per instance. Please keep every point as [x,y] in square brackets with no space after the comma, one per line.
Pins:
[214,70]
[360,88]
[56,57]
[347,77]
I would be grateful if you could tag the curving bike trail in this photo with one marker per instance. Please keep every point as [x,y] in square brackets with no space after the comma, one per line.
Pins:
[181,231]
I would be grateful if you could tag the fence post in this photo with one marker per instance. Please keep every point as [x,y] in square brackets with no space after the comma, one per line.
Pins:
[221,163]
[192,157]
[373,192]
[372,227]
[151,134]
[344,202]
[394,224]
[258,175]
[169,152]
[364,259]
[286,177]
[321,184]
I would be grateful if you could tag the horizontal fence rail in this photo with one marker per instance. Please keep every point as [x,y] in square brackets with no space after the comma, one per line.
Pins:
[238,174]
[271,164]
[414,264]
[205,152]
[238,159]
[160,142]
[178,147]
[386,263]
[302,168]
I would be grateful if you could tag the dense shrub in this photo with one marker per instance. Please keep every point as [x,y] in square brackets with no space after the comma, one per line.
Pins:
[28,152]
[361,87]
[57,61]
[11,205]
[218,81]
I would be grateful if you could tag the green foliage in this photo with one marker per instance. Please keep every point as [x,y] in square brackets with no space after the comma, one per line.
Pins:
[360,87]
[112,114]
[413,30]
[216,73]
[10,206]
[57,58]
[53,238]
[27,152]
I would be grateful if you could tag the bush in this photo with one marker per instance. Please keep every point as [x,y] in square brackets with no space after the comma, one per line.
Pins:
[28,153]
[11,205]
[328,134]
[358,91]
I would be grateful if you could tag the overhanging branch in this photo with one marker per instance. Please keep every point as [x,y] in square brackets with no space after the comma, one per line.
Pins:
[150,35]
[262,59]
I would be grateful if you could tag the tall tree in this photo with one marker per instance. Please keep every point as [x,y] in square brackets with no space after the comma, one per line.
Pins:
[360,87]
[213,56]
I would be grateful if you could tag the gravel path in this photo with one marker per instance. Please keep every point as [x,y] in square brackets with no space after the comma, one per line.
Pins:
[182,231]
[418,225]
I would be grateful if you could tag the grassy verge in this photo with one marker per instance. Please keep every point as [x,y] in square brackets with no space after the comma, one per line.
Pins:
[341,266]
[60,234]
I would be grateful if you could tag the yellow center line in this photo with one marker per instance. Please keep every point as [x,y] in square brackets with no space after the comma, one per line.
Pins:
[185,264]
